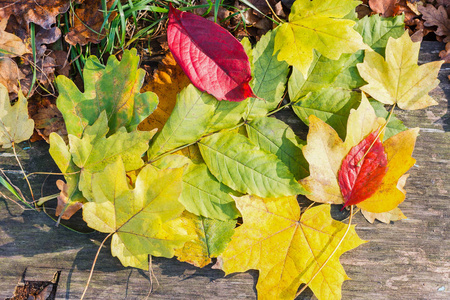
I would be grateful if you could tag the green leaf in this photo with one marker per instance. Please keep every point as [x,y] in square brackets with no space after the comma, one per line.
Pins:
[194,115]
[241,165]
[331,105]
[375,31]
[202,194]
[93,152]
[144,220]
[114,88]
[317,25]
[275,136]
[269,77]
[15,126]
[212,236]
[394,125]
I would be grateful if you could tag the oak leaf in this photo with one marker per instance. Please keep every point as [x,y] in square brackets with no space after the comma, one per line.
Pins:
[398,79]
[317,25]
[437,17]
[288,247]
[211,238]
[325,152]
[15,125]
[210,56]
[88,22]
[40,12]
[145,220]
[114,88]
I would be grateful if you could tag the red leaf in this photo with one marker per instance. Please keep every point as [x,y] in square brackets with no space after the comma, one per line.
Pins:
[360,176]
[210,56]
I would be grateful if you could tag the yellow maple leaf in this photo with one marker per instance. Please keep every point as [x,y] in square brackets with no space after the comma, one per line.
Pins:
[288,247]
[168,81]
[325,152]
[398,79]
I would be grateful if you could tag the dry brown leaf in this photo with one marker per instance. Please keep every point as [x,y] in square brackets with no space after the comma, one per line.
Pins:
[87,23]
[47,118]
[40,12]
[445,54]
[69,209]
[168,81]
[408,8]
[437,17]
[10,75]
[383,7]
[11,43]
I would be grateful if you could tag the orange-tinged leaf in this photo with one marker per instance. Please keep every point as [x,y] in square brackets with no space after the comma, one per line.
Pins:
[398,79]
[399,149]
[65,208]
[362,170]
[167,82]
[288,247]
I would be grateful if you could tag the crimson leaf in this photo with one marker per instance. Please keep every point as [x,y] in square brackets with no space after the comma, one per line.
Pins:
[210,56]
[362,170]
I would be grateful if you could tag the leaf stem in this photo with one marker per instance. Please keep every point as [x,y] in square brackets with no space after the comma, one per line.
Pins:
[23,171]
[331,255]
[93,265]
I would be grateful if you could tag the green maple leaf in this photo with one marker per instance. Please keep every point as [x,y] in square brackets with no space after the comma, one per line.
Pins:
[326,90]
[317,25]
[15,126]
[143,221]
[94,151]
[113,88]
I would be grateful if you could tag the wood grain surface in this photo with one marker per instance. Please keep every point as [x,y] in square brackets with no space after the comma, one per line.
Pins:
[409,259]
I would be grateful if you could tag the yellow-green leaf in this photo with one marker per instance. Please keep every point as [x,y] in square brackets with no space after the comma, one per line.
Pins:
[398,79]
[317,25]
[211,238]
[288,247]
[144,220]
[15,126]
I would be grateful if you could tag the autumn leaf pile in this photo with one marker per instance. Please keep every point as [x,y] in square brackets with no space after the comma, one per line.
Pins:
[206,180]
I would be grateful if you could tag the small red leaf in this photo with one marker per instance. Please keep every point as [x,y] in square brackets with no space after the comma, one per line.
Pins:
[362,170]
[210,56]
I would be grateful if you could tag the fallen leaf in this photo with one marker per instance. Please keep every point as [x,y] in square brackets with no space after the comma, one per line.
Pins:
[47,119]
[437,17]
[362,170]
[317,25]
[64,207]
[398,79]
[40,12]
[211,238]
[210,56]
[10,44]
[325,152]
[445,54]
[88,22]
[393,215]
[166,83]
[114,88]
[288,247]
[383,7]
[145,220]
[91,153]
[10,75]
[235,161]
[15,125]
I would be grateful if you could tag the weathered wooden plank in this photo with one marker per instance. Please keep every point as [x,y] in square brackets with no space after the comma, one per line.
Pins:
[406,260]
